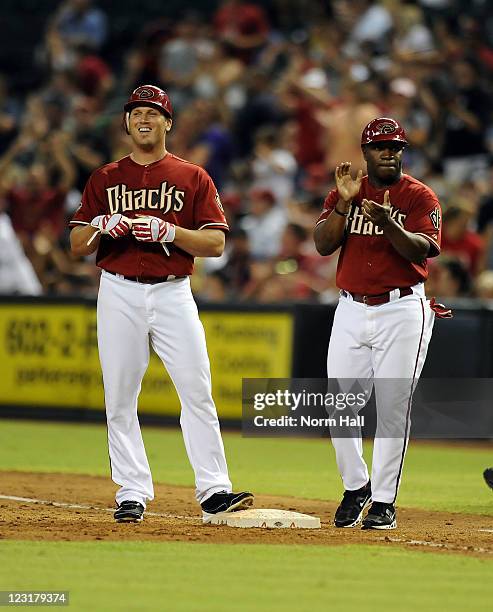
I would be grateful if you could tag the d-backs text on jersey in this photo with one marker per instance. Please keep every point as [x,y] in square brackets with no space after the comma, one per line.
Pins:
[357,223]
[165,199]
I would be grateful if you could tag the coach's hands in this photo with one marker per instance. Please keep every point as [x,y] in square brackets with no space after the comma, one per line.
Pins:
[378,214]
[152,229]
[347,187]
[116,225]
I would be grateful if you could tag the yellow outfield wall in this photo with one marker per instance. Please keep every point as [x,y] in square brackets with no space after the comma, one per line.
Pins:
[49,357]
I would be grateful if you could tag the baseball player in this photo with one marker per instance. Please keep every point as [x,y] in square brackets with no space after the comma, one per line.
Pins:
[148,215]
[386,223]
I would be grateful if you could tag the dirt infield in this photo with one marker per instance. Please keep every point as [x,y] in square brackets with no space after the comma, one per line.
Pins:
[179,519]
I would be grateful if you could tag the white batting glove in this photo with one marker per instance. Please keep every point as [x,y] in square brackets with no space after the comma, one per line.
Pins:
[152,229]
[115,225]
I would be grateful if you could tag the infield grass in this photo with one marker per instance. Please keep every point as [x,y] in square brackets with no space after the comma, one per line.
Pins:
[188,577]
[436,477]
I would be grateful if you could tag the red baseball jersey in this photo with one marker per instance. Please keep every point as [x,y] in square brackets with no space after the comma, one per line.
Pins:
[172,189]
[368,263]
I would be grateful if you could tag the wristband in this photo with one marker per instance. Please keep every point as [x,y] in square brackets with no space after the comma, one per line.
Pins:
[340,213]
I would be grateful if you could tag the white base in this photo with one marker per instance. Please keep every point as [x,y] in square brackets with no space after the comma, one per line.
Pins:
[267,519]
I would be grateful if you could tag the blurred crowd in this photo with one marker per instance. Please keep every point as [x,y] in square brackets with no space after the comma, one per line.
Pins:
[269,97]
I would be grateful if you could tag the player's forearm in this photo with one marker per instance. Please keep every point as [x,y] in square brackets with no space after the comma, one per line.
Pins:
[200,243]
[80,236]
[412,247]
[329,235]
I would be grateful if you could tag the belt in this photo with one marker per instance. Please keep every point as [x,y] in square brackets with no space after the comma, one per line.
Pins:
[147,280]
[376,300]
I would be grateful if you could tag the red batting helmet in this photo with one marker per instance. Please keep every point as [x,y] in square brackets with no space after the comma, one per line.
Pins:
[148,95]
[383,129]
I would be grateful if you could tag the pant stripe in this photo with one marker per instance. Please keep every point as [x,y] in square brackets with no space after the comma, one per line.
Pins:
[409,404]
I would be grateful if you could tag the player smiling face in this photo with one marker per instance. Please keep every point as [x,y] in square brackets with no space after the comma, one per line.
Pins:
[148,126]
[384,161]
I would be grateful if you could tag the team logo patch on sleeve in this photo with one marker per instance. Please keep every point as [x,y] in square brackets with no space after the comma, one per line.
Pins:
[218,202]
[435,218]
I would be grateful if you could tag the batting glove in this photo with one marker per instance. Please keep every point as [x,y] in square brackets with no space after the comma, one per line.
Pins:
[152,229]
[115,225]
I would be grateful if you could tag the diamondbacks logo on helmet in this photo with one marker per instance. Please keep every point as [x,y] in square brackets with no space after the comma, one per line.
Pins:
[387,128]
[149,95]
[144,93]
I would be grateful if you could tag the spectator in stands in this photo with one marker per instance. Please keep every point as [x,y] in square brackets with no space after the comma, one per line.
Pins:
[305,209]
[344,122]
[467,113]
[263,224]
[179,61]
[371,24]
[273,167]
[459,240]
[143,61]
[93,75]
[242,25]
[78,22]
[220,75]
[37,203]
[212,145]
[17,275]
[404,105]
[451,279]
[412,38]
[303,92]
[87,143]
[237,270]
[262,107]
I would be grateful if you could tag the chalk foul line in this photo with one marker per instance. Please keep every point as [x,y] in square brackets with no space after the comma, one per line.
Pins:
[45,502]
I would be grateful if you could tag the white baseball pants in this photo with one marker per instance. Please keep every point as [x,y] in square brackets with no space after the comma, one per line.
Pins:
[131,315]
[369,343]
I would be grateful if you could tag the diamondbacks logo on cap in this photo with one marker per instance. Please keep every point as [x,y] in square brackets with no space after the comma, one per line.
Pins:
[387,128]
[144,94]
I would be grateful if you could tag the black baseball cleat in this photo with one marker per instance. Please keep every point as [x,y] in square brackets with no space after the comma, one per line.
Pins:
[352,506]
[380,516]
[129,512]
[488,477]
[225,502]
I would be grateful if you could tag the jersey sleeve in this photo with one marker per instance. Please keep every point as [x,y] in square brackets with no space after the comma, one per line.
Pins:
[329,205]
[92,202]
[425,219]
[208,210]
